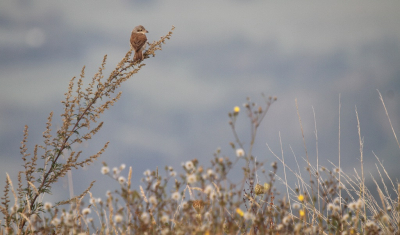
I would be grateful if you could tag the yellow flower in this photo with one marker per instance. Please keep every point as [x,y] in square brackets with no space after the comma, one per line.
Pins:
[236,109]
[302,213]
[266,186]
[239,211]
[301,197]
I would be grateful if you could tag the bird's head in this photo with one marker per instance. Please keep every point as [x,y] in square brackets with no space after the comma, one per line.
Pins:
[140,29]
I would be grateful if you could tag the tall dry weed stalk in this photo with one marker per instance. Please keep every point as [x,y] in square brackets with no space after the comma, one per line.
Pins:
[83,106]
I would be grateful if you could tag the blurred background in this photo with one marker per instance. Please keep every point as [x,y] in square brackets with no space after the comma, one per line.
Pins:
[175,109]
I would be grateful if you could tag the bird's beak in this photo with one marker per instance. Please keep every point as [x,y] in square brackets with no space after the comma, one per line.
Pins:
[147,31]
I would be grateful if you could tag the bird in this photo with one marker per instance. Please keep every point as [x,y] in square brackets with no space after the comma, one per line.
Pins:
[138,42]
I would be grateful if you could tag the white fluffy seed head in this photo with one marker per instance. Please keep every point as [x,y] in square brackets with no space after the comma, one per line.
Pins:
[165,219]
[118,218]
[153,200]
[239,152]
[105,170]
[189,165]
[176,196]
[86,211]
[145,217]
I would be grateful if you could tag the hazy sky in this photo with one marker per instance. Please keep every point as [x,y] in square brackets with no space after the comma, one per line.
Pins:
[176,108]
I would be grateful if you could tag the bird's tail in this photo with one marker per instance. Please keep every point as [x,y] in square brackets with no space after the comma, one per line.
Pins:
[138,56]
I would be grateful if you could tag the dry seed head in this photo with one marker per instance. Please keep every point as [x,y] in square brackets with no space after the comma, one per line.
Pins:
[143,194]
[208,189]
[185,205]
[210,172]
[191,179]
[147,172]
[360,203]
[189,165]
[240,152]
[105,170]
[153,200]
[213,195]
[47,205]
[198,205]
[118,218]
[145,217]
[296,206]
[164,219]
[176,196]
[330,206]
[165,231]
[386,219]
[352,206]
[286,220]
[86,211]
[121,180]
[336,200]
[248,216]
[55,221]
[297,227]
[258,189]
[345,217]
[92,200]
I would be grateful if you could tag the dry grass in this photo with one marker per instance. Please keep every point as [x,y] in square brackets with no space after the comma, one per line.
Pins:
[196,199]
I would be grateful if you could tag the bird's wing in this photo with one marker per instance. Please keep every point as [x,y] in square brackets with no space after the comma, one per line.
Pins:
[138,40]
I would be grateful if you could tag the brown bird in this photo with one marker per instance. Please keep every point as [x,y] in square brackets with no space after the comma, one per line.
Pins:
[138,42]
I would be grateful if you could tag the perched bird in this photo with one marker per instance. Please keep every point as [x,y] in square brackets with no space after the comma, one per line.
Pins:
[138,42]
